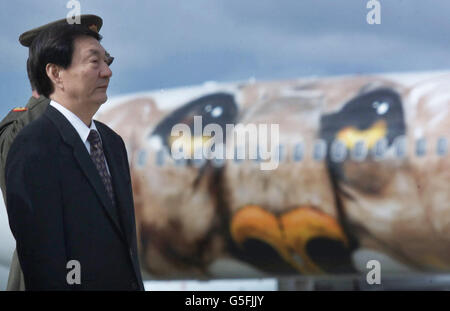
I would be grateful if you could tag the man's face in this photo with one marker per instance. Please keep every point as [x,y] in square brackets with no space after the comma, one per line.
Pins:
[86,79]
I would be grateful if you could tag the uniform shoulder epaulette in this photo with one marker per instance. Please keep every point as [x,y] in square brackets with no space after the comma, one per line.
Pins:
[20,109]
[11,117]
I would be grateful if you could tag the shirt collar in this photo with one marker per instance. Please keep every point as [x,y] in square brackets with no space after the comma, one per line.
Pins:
[76,122]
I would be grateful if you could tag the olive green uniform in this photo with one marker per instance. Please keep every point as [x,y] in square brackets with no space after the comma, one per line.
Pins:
[10,126]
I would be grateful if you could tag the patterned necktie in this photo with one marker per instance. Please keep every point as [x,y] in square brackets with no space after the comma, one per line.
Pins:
[98,157]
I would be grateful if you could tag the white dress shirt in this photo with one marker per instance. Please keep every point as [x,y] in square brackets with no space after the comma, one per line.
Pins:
[79,126]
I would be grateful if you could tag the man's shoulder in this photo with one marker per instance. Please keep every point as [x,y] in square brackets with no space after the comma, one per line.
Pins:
[107,130]
[37,141]
[35,108]
[21,116]
[11,117]
[39,131]
[38,103]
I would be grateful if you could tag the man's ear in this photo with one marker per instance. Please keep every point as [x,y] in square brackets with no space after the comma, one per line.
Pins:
[54,74]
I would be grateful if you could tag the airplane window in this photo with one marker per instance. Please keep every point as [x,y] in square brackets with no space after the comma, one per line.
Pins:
[218,163]
[380,149]
[258,157]
[400,146]
[421,145]
[142,156]
[338,151]
[280,153]
[442,146]
[239,154]
[180,162]
[359,152]
[298,152]
[198,162]
[320,150]
[160,157]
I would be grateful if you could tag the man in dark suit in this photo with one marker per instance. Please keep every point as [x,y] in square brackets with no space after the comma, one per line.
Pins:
[68,184]
[19,117]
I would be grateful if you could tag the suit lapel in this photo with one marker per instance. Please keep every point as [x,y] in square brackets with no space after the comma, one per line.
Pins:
[118,177]
[122,188]
[71,137]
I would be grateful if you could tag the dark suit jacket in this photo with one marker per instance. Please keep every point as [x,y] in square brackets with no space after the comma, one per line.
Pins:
[59,210]
[10,126]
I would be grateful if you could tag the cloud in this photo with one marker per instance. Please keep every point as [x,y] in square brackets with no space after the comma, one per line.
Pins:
[172,43]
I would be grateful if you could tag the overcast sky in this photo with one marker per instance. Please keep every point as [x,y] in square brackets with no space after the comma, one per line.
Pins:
[168,43]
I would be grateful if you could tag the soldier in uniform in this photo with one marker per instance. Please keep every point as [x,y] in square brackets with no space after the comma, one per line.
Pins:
[19,117]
